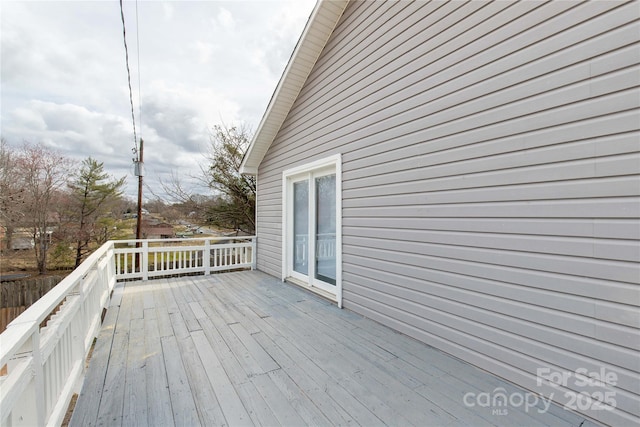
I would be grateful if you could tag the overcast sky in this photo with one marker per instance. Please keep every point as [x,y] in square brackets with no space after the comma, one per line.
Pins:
[64,80]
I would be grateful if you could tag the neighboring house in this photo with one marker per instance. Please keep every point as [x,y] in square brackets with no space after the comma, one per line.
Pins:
[22,238]
[22,241]
[468,174]
[157,230]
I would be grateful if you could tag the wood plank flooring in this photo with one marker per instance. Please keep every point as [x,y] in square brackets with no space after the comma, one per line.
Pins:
[246,349]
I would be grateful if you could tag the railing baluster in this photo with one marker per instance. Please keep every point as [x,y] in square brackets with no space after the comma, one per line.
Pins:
[38,377]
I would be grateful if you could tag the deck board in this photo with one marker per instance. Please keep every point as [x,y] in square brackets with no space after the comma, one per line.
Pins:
[182,399]
[112,400]
[244,348]
[206,398]
[230,403]
[158,397]
[135,397]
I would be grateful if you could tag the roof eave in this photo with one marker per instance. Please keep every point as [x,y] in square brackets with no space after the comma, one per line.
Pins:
[319,28]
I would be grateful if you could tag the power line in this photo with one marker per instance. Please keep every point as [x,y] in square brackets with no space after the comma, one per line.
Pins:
[138,152]
[126,55]
[139,85]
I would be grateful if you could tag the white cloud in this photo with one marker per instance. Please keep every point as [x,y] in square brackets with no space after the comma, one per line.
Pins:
[28,118]
[203,51]
[225,19]
[72,129]
[201,63]
[168,10]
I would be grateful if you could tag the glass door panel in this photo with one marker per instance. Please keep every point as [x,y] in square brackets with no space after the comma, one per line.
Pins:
[325,229]
[301,227]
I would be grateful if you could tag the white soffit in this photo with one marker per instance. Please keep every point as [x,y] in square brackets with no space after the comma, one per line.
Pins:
[321,24]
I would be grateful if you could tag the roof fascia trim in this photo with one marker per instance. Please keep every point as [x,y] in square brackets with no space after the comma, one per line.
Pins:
[280,102]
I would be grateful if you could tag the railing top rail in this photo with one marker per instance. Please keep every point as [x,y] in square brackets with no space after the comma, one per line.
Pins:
[182,239]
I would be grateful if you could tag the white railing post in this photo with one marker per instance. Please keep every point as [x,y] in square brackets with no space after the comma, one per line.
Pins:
[117,267]
[145,260]
[254,258]
[206,257]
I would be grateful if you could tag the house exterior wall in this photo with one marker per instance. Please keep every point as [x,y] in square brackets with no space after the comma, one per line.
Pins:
[490,183]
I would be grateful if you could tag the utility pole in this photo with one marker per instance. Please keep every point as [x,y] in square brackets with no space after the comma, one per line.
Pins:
[139,171]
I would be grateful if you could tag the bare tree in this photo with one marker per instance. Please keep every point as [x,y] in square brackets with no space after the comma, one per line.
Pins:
[11,192]
[232,205]
[237,205]
[186,199]
[42,173]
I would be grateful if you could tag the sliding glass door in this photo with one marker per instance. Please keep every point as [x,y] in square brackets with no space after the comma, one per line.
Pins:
[311,223]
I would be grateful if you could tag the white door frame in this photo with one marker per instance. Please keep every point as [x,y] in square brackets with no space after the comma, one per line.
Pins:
[310,171]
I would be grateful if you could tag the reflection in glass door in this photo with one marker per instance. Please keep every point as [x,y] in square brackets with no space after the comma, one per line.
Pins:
[301,227]
[325,229]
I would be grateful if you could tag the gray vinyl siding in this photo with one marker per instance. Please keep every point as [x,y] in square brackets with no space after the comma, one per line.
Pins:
[491,191]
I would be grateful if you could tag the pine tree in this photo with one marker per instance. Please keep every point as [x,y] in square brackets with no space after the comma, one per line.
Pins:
[92,192]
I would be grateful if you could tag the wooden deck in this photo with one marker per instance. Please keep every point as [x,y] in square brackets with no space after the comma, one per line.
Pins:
[246,349]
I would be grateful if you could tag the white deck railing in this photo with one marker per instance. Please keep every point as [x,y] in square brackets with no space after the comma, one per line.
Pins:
[165,257]
[44,365]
